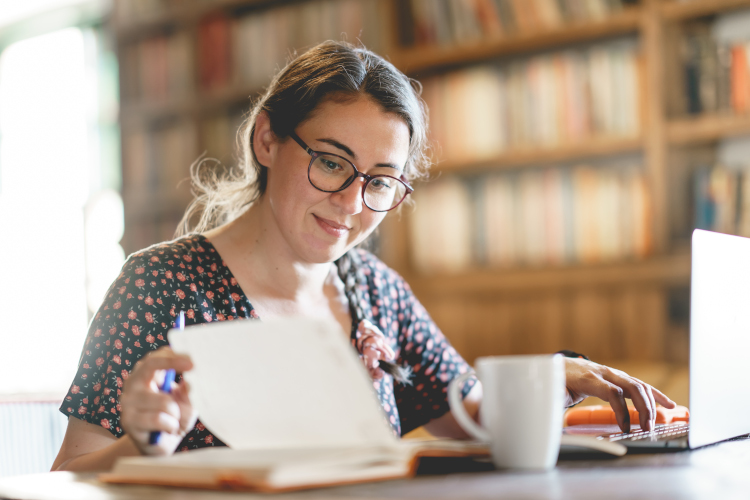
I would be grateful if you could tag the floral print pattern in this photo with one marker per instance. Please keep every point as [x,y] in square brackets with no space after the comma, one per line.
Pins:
[189,275]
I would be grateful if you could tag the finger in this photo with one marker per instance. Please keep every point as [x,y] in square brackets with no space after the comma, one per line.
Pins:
[147,422]
[640,398]
[662,399]
[615,396]
[188,415]
[161,402]
[147,367]
[650,393]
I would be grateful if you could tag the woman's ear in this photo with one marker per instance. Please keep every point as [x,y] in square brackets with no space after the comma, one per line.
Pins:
[264,140]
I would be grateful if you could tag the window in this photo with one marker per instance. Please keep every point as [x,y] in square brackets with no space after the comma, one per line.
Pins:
[60,214]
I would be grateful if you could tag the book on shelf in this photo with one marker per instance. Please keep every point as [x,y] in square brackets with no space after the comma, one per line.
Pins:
[714,74]
[157,68]
[131,12]
[549,216]
[323,428]
[157,159]
[219,134]
[721,199]
[548,100]
[264,40]
[445,22]
[244,51]
[214,52]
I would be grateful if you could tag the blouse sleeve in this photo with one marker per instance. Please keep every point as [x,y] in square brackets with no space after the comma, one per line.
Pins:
[132,321]
[435,363]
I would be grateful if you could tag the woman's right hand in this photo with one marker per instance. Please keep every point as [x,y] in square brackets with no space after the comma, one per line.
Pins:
[146,409]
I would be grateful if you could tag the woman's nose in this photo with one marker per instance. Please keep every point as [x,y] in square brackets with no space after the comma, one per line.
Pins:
[350,199]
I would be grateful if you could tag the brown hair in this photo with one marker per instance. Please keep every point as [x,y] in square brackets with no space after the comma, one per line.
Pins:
[330,70]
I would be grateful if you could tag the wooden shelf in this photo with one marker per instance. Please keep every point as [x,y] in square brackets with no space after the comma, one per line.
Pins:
[185,15]
[418,59]
[671,270]
[204,103]
[708,128]
[681,11]
[596,147]
[149,111]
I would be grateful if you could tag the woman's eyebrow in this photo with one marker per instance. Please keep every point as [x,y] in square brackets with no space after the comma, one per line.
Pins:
[388,165]
[337,144]
[345,149]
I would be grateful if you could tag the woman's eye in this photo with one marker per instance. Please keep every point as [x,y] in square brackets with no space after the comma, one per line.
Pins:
[331,165]
[380,184]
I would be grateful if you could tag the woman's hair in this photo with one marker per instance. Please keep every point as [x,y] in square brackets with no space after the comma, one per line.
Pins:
[329,71]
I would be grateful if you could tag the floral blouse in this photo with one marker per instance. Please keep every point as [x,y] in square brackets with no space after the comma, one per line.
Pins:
[188,274]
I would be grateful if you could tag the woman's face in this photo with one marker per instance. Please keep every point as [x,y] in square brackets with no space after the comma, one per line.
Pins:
[317,226]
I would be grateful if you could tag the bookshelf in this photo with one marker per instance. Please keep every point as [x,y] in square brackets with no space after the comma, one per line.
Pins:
[585,297]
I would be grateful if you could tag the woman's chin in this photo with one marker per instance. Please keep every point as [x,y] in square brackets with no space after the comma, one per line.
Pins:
[318,252]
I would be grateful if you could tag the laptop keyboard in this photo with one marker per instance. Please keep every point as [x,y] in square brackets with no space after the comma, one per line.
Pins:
[660,433]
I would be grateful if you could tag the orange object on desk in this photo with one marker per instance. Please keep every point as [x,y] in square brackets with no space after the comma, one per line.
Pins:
[602,414]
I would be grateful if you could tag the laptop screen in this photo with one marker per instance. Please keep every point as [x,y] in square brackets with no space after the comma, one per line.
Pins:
[719,338]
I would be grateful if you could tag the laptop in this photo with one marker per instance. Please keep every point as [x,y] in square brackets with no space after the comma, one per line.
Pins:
[719,347]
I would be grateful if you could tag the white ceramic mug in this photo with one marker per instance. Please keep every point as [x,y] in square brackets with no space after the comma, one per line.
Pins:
[521,411]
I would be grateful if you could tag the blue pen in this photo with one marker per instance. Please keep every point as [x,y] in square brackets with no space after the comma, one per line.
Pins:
[166,386]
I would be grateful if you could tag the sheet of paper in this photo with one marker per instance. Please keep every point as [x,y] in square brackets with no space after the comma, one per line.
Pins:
[291,383]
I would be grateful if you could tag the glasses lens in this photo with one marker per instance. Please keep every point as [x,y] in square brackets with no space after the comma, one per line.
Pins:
[330,173]
[384,192]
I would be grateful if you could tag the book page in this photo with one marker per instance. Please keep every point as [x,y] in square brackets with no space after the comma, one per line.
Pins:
[287,383]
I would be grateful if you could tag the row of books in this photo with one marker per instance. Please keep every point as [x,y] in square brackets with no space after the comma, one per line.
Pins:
[545,100]
[262,41]
[157,160]
[722,199]
[716,76]
[441,22]
[535,217]
[131,11]
[246,51]
[218,136]
[158,68]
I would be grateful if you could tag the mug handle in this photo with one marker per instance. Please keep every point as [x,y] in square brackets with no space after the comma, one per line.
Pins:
[459,412]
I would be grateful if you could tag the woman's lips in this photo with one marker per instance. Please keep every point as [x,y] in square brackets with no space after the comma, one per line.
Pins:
[331,227]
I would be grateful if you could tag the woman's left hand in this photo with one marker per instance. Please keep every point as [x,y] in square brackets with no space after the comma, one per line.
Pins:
[373,346]
[585,378]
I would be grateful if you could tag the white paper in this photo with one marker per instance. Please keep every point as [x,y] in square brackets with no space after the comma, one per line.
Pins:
[291,383]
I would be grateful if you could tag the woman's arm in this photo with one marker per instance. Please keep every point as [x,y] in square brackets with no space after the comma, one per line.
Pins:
[447,426]
[90,447]
[583,378]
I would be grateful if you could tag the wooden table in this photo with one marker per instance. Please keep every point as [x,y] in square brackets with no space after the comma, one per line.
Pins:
[719,471]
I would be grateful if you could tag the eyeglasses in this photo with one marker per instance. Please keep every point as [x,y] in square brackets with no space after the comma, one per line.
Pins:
[332,173]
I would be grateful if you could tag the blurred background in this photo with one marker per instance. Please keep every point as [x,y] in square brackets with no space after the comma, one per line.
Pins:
[576,144]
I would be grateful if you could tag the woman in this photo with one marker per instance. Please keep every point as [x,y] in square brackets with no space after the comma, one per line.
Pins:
[330,148]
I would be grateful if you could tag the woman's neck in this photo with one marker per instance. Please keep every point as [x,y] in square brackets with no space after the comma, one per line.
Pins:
[256,252]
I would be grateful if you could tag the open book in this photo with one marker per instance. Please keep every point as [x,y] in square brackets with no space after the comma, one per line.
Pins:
[296,407]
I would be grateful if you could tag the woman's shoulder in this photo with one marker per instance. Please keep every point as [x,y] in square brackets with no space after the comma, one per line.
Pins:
[378,273]
[176,253]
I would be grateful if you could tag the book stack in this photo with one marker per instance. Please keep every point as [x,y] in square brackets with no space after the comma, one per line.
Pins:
[264,40]
[546,100]
[157,69]
[445,22]
[722,199]
[536,217]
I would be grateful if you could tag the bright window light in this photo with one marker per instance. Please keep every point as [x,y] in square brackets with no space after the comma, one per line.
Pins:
[47,175]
